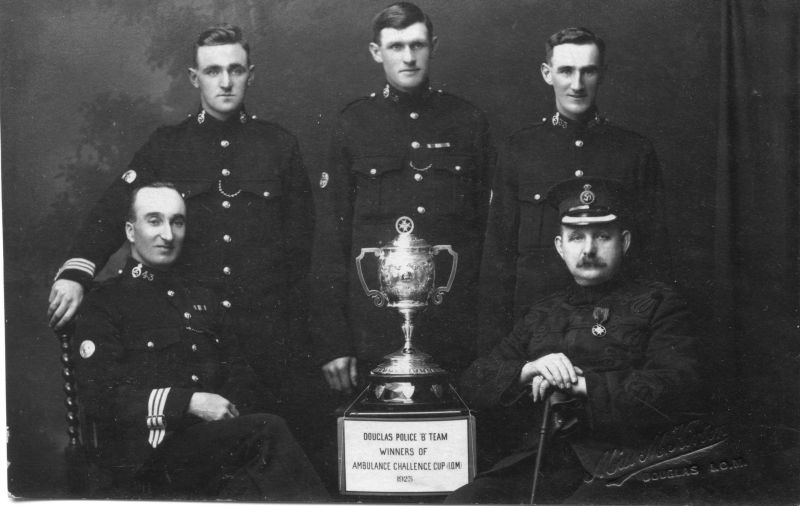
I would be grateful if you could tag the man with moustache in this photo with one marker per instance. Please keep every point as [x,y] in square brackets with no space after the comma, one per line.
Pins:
[519,266]
[405,150]
[617,356]
[248,199]
[176,408]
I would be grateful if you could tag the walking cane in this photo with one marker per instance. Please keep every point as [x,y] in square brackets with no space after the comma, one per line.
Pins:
[540,450]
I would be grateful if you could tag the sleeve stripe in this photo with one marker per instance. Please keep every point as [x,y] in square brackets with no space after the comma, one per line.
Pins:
[155,415]
[78,264]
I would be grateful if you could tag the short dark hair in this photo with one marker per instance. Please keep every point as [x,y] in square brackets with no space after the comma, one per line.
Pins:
[219,35]
[132,199]
[574,35]
[398,16]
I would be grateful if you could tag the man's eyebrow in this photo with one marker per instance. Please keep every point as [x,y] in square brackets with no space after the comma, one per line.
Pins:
[154,214]
[177,217]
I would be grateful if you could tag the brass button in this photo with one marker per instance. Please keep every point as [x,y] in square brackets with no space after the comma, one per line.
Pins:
[194,347]
[415,145]
[579,143]
[170,293]
[151,344]
[224,143]
[414,115]
[579,173]
[226,172]
[418,177]
[226,304]
[226,204]
[226,238]
[373,171]
[226,270]
[421,210]
[266,194]
[187,315]
[195,378]
[537,197]
[458,168]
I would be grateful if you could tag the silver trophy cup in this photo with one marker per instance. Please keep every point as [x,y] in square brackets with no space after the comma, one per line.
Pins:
[407,277]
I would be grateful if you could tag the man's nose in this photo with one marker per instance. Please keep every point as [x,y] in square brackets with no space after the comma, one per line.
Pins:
[590,248]
[576,83]
[225,80]
[166,232]
[409,56]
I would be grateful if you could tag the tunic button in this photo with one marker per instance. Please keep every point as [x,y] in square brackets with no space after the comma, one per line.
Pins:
[224,143]
[458,168]
[226,238]
[151,344]
[226,304]
[579,173]
[415,145]
[195,378]
[414,115]
[418,177]
[226,204]
[579,143]
[170,293]
[183,195]
[187,315]
[373,171]
[421,210]
[194,347]
[226,270]
[266,194]
[226,172]
[537,197]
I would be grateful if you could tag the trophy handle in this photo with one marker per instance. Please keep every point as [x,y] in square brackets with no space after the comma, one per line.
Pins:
[378,298]
[438,293]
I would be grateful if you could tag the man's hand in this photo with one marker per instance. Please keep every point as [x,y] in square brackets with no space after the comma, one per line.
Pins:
[540,386]
[211,407]
[556,368]
[341,374]
[65,297]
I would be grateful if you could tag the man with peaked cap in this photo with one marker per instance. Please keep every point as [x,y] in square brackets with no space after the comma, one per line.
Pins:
[617,355]
[176,408]
[404,150]
[519,265]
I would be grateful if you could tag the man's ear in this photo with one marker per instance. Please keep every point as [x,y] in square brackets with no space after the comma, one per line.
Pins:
[129,231]
[434,45]
[252,71]
[559,246]
[547,73]
[375,51]
[626,241]
[193,77]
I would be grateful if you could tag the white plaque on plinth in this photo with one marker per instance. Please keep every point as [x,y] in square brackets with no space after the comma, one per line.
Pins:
[406,455]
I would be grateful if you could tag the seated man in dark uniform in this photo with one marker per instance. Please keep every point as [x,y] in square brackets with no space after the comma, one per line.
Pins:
[173,399]
[616,358]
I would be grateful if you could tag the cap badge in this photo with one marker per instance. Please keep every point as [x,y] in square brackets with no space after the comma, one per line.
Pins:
[87,349]
[129,176]
[587,196]
[323,179]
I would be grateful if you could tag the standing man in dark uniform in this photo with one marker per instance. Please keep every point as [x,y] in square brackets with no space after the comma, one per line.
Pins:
[618,355]
[174,403]
[248,199]
[405,150]
[519,264]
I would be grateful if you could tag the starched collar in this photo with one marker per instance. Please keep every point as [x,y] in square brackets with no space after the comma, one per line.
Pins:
[559,121]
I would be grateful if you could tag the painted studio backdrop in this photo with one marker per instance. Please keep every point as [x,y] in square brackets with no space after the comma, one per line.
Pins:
[713,84]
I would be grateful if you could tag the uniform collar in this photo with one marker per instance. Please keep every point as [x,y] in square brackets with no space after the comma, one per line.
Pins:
[139,273]
[578,295]
[559,121]
[205,119]
[391,93]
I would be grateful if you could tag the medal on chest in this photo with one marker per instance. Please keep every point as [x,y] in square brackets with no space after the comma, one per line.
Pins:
[600,315]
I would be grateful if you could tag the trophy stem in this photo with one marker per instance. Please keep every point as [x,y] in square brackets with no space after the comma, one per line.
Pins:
[408,329]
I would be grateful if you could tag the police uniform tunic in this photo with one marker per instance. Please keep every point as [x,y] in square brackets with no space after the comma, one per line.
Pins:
[635,343]
[426,156]
[249,212]
[520,264]
[147,344]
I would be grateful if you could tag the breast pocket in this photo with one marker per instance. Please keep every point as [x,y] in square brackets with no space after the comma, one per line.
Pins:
[452,185]
[538,220]
[155,349]
[376,184]
[190,188]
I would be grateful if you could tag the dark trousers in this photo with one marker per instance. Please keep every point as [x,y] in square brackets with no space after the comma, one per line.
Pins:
[561,476]
[252,457]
